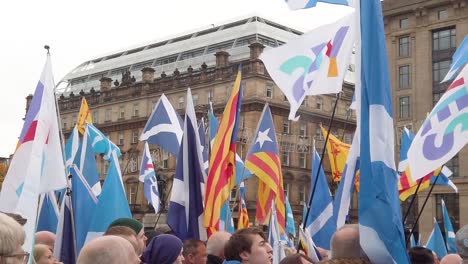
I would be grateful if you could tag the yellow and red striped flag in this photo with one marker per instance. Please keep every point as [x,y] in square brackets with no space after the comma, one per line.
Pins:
[243,221]
[337,153]
[222,170]
[84,116]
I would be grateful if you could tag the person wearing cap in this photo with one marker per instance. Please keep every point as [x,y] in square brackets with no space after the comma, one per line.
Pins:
[164,249]
[135,226]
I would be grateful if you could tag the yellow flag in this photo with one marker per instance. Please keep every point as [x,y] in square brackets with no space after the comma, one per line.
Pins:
[84,116]
[337,153]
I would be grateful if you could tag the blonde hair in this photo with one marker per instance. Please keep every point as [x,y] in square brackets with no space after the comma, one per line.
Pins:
[12,235]
[40,250]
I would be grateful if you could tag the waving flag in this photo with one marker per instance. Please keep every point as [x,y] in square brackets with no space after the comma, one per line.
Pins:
[459,59]
[226,223]
[303,4]
[164,127]
[101,143]
[185,212]
[337,154]
[444,132]
[71,147]
[449,232]
[290,224]
[221,174]
[314,63]
[308,245]
[274,237]
[84,116]
[435,242]
[65,240]
[85,160]
[380,226]
[201,132]
[48,213]
[243,218]
[262,159]
[149,179]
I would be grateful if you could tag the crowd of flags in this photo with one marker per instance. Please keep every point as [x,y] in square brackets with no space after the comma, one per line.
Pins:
[208,170]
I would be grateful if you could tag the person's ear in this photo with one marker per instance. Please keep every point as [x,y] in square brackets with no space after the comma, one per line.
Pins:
[244,255]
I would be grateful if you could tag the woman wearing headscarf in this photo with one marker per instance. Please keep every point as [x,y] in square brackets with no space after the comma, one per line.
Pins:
[163,249]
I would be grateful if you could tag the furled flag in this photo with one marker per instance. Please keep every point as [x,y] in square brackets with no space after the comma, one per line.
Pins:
[459,59]
[226,223]
[85,160]
[263,160]
[185,212]
[84,116]
[303,4]
[444,132]
[337,154]
[380,227]
[48,213]
[314,63]
[435,242]
[221,174]
[101,143]
[37,165]
[164,127]
[243,215]
[65,241]
[201,132]
[308,245]
[149,179]
[290,224]
[449,232]
[412,241]
[321,224]
[274,237]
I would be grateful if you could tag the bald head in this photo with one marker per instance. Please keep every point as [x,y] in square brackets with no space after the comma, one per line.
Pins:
[108,250]
[45,238]
[451,259]
[345,243]
[216,242]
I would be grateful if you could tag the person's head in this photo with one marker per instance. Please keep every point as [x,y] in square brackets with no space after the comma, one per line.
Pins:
[150,234]
[248,245]
[194,251]
[43,254]
[164,249]
[297,258]
[345,243]
[45,238]
[420,255]
[451,259]
[108,250]
[11,238]
[127,233]
[164,229]
[461,242]
[216,242]
[136,226]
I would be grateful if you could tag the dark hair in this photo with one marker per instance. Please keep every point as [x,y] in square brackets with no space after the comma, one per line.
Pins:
[120,230]
[295,258]
[241,241]
[190,246]
[421,255]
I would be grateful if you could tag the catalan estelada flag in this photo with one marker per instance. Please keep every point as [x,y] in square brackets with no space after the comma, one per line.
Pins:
[337,153]
[84,116]
[243,221]
[263,161]
[222,169]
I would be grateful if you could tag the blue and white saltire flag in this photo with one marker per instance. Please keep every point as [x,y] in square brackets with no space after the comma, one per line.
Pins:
[406,139]
[149,179]
[201,132]
[290,225]
[436,242]
[185,214]
[303,4]
[71,147]
[274,237]
[444,178]
[314,63]
[84,204]
[380,226]
[85,160]
[65,240]
[48,213]
[164,127]
[101,143]
[412,241]
[459,59]
[321,224]
[449,232]
[226,223]
[112,202]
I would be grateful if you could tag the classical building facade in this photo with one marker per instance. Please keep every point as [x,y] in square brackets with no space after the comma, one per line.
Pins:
[421,37]
[122,88]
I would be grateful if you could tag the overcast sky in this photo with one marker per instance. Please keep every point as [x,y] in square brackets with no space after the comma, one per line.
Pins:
[78,31]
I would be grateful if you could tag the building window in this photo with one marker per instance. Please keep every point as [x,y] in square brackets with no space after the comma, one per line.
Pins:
[453,166]
[444,39]
[404,22]
[318,103]
[302,160]
[318,133]
[210,95]
[302,194]
[165,159]
[108,115]
[132,188]
[269,90]
[121,112]
[135,136]
[136,110]
[73,121]
[404,106]
[195,99]
[285,158]
[64,123]
[286,127]
[453,207]
[439,70]
[436,97]
[133,164]
[404,76]
[181,104]
[303,129]
[286,190]
[96,117]
[120,139]
[404,46]
[442,14]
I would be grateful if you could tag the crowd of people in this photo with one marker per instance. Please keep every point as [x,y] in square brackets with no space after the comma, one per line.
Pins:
[126,242]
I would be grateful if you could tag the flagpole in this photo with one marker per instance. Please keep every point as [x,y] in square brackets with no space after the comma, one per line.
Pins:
[309,204]
[412,201]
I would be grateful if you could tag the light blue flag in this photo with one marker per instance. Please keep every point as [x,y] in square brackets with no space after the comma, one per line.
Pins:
[112,203]
[71,147]
[380,226]
[85,161]
[164,127]
[274,237]
[412,241]
[149,179]
[449,232]
[226,223]
[290,225]
[459,59]
[101,143]
[435,242]
[321,224]
[201,132]
[48,213]
[303,4]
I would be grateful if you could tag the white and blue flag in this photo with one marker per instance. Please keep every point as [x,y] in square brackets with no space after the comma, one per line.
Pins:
[459,59]
[449,232]
[65,239]
[435,242]
[303,4]
[149,179]
[101,143]
[48,213]
[274,237]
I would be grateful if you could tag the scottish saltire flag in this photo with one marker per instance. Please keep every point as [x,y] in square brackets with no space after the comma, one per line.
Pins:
[303,4]
[37,165]
[149,179]
[164,127]
[64,248]
[85,160]
[406,140]
[314,63]
[221,174]
[71,147]
[185,214]
[201,132]
[412,241]
[263,160]
[449,232]
[444,132]
[84,204]
[436,242]
[84,116]
[321,224]
[101,143]
[290,225]
[459,59]
[48,213]
[274,237]
[226,223]
[308,245]
[337,154]
[112,202]
[380,226]
[243,215]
